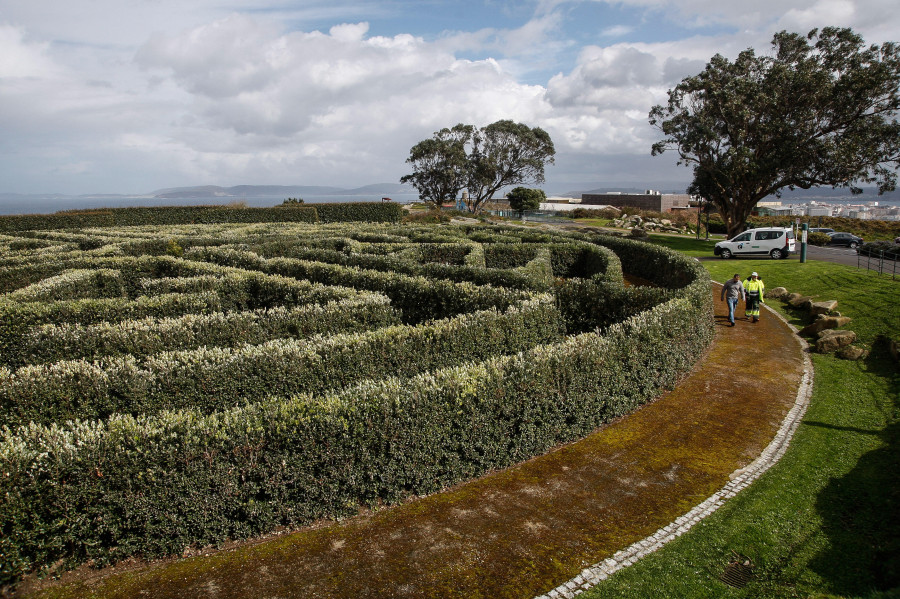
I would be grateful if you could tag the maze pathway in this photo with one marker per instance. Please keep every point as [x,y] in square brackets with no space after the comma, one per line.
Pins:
[522,531]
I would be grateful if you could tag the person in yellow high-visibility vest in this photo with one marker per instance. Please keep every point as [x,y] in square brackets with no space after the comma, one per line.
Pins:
[755,290]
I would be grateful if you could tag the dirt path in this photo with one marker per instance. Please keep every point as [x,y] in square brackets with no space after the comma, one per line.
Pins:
[522,531]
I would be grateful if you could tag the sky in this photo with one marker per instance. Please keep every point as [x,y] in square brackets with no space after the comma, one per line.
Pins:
[130,96]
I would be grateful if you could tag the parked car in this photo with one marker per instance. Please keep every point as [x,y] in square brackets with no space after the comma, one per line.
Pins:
[847,239]
[777,242]
[821,230]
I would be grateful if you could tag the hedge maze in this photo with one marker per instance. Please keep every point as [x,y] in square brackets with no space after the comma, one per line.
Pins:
[178,385]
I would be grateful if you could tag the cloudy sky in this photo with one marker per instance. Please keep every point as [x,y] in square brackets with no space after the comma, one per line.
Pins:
[129,96]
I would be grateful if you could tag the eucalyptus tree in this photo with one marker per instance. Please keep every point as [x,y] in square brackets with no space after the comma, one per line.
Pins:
[820,110]
[439,164]
[482,161]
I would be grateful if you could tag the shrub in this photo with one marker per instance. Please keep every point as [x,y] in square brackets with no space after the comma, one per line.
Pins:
[818,239]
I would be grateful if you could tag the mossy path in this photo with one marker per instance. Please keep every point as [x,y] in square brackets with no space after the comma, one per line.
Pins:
[522,531]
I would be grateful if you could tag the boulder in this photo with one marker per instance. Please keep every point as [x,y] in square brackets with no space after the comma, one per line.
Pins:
[823,322]
[776,293]
[638,232]
[851,353]
[826,307]
[834,342]
[796,300]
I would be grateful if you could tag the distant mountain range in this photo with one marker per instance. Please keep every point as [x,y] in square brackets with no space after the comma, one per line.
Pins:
[278,191]
[238,192]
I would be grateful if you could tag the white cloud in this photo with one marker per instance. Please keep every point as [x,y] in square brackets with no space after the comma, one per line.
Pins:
[110,95]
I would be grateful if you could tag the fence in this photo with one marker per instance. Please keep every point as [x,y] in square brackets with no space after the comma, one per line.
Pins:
[884,261]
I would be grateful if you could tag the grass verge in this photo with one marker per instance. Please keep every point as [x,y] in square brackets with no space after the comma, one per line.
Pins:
[825,520]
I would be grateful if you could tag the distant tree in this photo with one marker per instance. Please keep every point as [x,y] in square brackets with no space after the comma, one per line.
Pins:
[482,161]
[439,164]
[523,198]
[821,110]
[292,202]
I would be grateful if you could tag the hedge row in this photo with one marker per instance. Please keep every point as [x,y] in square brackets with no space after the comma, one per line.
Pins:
[465,261]
[73,284]
[18,318]
[210,379]
[373,212]
[153,485]
[161,215]
[238,292]
[417,297]
[68,341]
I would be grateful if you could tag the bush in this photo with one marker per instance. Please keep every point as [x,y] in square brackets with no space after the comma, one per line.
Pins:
[522,198]
[818,239]
[880,249]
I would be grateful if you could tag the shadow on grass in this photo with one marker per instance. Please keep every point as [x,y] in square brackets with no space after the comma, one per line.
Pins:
[861,510]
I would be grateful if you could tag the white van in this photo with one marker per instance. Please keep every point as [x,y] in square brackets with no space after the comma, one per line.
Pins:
[777,242]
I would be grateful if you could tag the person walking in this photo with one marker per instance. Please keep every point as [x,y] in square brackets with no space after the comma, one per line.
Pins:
[755,290]
[732,291]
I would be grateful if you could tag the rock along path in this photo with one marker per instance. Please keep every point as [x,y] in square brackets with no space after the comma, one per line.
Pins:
[548,527]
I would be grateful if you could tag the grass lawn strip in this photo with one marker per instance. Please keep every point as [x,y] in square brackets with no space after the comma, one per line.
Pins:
[825,520]
[739,480]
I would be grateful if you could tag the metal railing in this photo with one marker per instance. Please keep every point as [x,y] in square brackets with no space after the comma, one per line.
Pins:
[885,262]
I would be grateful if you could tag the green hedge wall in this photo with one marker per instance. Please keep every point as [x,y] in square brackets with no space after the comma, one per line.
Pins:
[18,318]
[68,341]
[372,212]
[211,379]
[105,490]
[161,215]
[233,464]
[417,298]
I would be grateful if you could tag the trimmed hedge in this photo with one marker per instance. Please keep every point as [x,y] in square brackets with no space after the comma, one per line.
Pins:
[372,212]
[55,342]
[418,299]
[161,215]
[254,453]
[210,379]
[18,318]
[239,291]
[154,485]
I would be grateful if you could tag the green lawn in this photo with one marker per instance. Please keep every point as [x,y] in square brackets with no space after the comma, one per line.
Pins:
[825,520]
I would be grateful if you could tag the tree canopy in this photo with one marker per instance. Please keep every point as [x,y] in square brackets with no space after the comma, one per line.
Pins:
[482,161]
[523,198]
[439,164]
[820,110]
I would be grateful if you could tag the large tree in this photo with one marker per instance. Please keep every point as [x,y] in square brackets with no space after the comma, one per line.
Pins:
[820,110]
[440,164]
[522,198]
[482,161]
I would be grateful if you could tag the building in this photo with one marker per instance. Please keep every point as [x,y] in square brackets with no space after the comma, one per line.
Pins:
[649,200]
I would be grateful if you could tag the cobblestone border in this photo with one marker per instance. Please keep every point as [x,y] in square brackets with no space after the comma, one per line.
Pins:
[739,480]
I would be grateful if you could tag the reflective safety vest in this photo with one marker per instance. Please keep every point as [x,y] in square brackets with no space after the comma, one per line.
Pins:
[755,288]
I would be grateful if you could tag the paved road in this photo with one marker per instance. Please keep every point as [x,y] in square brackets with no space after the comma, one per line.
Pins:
[840,255]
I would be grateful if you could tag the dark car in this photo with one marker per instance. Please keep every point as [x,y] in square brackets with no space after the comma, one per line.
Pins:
[847,239]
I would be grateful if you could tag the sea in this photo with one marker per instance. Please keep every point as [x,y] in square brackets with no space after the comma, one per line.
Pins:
[48,204]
